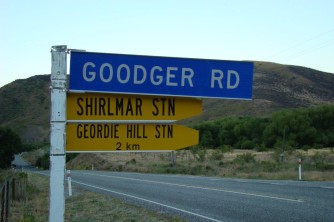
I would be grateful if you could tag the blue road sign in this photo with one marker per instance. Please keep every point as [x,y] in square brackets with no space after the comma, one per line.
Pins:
[150,75]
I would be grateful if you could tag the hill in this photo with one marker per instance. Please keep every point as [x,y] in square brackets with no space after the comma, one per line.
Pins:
[275,87]
[25,103]
[25,107]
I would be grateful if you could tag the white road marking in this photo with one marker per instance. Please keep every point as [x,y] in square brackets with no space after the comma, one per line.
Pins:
[242,181]
[150,201]
[328,187]
[198,187]
[277,184]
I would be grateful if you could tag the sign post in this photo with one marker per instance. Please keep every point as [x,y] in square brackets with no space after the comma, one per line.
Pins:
[57,135]
[131,121]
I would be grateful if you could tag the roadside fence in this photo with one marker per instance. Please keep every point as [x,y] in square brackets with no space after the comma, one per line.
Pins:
[12,189]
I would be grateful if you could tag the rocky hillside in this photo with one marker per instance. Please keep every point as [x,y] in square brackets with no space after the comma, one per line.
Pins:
[25,104]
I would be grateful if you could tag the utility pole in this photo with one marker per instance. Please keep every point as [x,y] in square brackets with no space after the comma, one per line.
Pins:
[58,132]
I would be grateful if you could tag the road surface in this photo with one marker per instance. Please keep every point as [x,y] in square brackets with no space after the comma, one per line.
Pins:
[197,198]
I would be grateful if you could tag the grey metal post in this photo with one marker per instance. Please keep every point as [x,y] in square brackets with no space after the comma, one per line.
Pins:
[172,158]
[58,133]
[299,169]
[283,146]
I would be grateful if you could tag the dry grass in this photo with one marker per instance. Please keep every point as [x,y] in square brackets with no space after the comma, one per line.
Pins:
[35,205]
[94,207]
[82,206]
[265,164]
[88,206]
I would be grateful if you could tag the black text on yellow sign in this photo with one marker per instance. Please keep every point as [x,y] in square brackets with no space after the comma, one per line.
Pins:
[85,137]
[95,106]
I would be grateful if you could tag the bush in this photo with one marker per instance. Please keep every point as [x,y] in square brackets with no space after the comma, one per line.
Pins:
[71,156]
[318,159]
[132,161]
[226,148]
[10,144]
[162,157]
[261,148]
[44,162]
[199,153]
[248,145]
[120,168]
[217,155]
[269,166]
[320,162]
[196,170]
[245,158]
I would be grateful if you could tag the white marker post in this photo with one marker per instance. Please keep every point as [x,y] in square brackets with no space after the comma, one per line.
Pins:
[69,182]
[58,133]
[300,169]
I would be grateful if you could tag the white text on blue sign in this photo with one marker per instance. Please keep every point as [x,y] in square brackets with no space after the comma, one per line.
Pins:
[131,74]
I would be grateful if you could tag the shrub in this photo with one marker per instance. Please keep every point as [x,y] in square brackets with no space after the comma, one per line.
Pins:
[261,148]
[217,155]
[132,161]
[71,156]
[248,145]
[318,158]
[199,153]
[162,157]
[44,161]
[320,162]
[120,168]
[195,170]
[245,158]
[10,144]
[269,166]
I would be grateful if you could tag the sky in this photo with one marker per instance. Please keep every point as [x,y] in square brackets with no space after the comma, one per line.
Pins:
[294,32]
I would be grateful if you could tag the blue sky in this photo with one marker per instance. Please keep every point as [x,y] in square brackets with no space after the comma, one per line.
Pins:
[292,32]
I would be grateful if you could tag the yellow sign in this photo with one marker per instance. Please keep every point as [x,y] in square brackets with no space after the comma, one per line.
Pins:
[94,106]
[86,137]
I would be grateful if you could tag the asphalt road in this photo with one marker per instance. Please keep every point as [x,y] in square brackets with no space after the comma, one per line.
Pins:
[198,198]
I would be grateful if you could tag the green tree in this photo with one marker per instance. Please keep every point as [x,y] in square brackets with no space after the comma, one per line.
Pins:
[291,129]
[10,144]
[44,162]
[322,118]
[207,139]
[225,134]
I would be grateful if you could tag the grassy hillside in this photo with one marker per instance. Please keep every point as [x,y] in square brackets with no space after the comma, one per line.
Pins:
[25,107]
